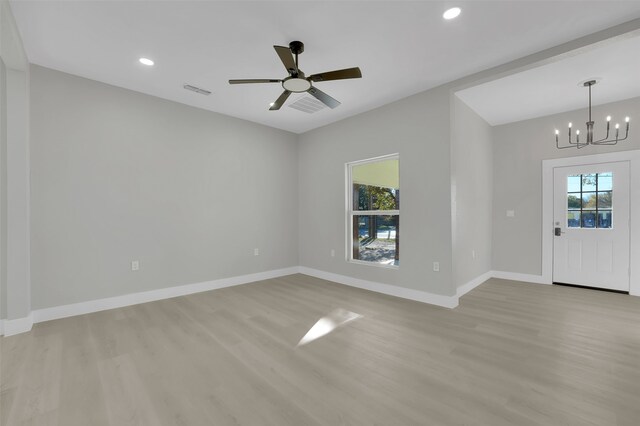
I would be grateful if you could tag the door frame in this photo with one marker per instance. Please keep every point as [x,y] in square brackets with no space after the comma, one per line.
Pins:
[633,157]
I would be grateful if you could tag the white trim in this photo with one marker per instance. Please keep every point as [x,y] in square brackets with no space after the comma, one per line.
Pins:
[22,325]
[11,327]
[633,157]
[81,308]
[374,159]
[466,288]
[379,265]
[375,212]
[515,276]
[391,290]
[16,326]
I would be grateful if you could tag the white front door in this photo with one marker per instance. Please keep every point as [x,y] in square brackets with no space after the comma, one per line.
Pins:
[591,218]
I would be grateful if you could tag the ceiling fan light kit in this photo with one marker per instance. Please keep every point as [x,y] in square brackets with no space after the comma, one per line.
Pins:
[297,82]
[590,129]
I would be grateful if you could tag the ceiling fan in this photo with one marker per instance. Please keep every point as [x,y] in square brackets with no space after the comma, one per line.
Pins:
[296,82]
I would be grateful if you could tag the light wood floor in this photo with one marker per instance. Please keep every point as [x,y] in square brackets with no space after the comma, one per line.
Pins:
[510,354]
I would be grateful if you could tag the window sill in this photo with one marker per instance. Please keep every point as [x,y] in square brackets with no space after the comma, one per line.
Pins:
[377,265]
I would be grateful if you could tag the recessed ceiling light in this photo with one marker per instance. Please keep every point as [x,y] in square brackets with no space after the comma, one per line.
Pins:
[147,62]
[452,13]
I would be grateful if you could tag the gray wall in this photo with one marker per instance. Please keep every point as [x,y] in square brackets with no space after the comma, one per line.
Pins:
[418,129]
[15,284]
[18,206]
[120,176]
[471,193]
[518,151]
[3,190]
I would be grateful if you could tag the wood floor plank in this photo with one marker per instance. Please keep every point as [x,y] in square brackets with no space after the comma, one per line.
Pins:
[510,354]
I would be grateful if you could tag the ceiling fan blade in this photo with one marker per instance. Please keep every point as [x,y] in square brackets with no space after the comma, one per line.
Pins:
[337,75]
[263,80]
[323,97]
[280,101]
[287,59]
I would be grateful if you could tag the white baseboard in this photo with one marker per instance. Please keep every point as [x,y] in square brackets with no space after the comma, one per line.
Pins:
[16,326]
[514,276]
[81,308]
[391,290]
[21,325]
[466,288]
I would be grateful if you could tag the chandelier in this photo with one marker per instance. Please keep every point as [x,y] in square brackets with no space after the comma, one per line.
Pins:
[590,123]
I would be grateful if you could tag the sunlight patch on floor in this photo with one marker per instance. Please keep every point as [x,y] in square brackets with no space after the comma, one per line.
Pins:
[327,324]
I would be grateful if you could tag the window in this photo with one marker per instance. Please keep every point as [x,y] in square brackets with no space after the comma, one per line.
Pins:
[374,211]
[589,200]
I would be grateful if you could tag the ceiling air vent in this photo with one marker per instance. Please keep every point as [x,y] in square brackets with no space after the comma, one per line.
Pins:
[197,89]
[307,104]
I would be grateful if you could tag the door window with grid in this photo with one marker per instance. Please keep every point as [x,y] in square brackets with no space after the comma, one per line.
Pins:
[590,201]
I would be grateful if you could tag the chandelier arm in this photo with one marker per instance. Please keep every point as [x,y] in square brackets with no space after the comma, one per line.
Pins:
[572,144]
[603,139]
[569,146]
[566,146]
[612,141]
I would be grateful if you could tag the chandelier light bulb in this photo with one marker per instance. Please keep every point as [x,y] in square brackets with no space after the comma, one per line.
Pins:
[617,125]
[557,132]
[577,132]
[570,124]
[451,13]
[626,119]
[608,118]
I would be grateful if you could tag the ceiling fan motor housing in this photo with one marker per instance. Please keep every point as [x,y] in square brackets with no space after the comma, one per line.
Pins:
[297,84]
[297,47]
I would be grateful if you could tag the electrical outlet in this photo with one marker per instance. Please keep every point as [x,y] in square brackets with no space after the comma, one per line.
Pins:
[333,253]
[436,266]
[135,265]
[256,252]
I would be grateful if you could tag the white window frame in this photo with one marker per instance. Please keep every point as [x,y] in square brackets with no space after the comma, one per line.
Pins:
[350,212]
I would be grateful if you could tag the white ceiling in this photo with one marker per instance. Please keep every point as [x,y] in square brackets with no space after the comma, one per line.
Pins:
[554,88]
[402,47]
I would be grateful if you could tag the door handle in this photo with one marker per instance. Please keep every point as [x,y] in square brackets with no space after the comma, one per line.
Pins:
[558,231]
